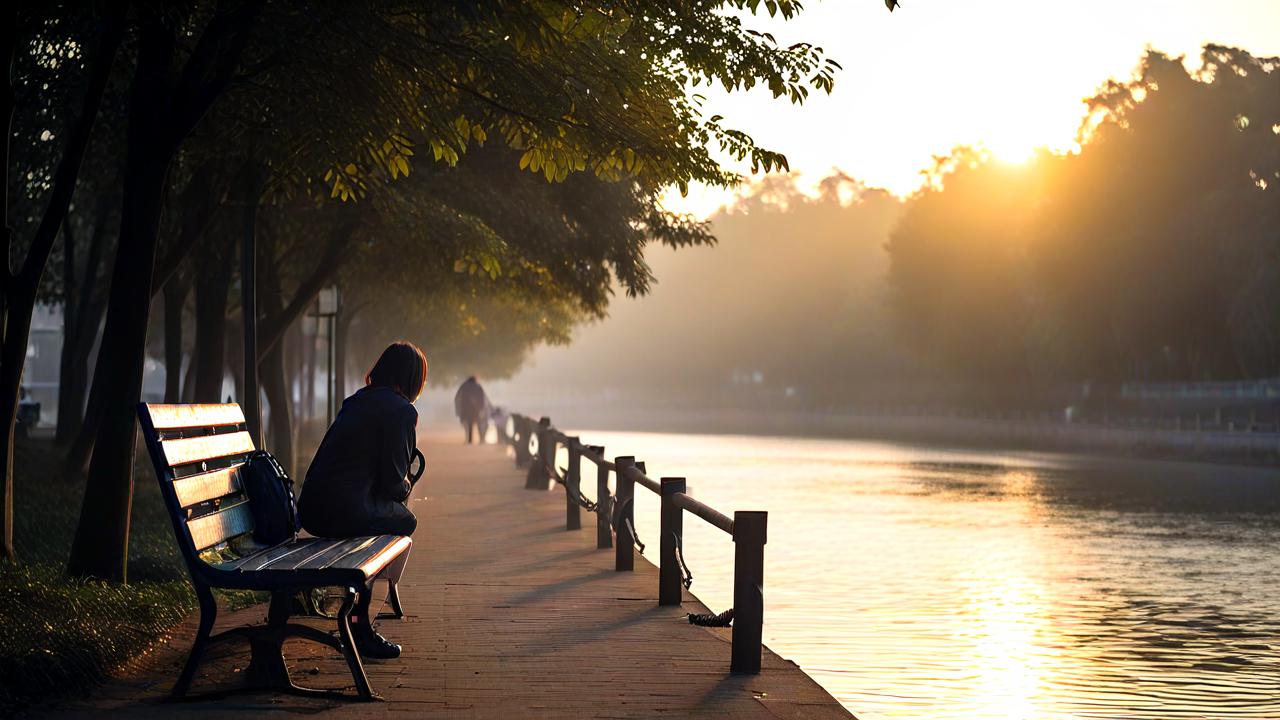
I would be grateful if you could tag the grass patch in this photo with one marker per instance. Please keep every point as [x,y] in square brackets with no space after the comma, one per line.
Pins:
[60,635]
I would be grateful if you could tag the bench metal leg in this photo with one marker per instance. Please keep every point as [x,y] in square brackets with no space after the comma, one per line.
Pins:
[267,666]
[208,614]
[393,597]
[349,645]
[392,575]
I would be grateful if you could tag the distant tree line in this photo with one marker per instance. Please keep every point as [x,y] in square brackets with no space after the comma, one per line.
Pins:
[1152,253]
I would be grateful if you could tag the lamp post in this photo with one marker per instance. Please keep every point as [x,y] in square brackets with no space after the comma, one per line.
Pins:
[328,304]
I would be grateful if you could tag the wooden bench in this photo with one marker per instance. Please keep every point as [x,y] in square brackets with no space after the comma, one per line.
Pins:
[197,451]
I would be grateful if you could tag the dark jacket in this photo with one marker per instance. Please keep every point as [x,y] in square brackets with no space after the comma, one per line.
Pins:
[470,402]
[358,477]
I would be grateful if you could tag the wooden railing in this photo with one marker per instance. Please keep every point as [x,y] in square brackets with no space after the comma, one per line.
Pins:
[615,518]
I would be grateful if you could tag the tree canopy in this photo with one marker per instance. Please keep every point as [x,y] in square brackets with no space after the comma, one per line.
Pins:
[238,107]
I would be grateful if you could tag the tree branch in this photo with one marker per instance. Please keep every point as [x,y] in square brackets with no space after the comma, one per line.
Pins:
[336,251]
[198,205]
[213,63]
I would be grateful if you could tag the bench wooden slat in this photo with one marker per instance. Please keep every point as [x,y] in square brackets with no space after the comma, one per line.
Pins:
[209,530]
[208,447]
[318,549]
[375,557]
[263,558]
[331,555]
[207,486]
[170,417]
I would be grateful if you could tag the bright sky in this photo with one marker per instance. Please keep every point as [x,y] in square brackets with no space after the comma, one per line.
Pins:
[1010,74]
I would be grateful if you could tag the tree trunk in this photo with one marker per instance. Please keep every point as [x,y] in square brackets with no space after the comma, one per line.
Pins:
[275,383]
[209,353]
[71,294]
[164,106]
[198,204]
[189,379]
[101,545]
[78,339]
[77,458]
[8,403]
[250,400]
[19,290]
[308,351]
[70,300]
[274,378]
[342,326]
[101,541]
[235,356]
[13,353]
[175,300]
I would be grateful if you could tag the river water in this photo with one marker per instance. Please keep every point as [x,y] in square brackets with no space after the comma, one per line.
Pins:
[916,582]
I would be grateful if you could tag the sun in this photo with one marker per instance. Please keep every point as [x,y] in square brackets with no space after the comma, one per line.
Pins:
[1012,150]
[1015,140]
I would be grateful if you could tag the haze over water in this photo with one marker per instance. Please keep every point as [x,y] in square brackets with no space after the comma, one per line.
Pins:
[927,583]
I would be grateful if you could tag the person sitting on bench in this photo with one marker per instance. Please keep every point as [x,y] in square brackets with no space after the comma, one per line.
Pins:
[357,484]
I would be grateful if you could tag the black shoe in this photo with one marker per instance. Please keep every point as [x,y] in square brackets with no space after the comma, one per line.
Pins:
[371,645]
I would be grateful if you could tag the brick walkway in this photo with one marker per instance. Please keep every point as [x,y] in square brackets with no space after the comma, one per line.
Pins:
[508,616]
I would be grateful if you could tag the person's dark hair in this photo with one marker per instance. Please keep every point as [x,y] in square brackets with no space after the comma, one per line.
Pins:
[401,367]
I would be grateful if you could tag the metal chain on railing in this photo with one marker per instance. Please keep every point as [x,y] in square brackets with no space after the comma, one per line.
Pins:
[724,619]
[615,512]
[635,539]
[748,529]
[574,493]
[686,575]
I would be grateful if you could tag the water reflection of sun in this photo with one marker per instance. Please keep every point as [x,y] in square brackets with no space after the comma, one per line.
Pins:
[1005,620]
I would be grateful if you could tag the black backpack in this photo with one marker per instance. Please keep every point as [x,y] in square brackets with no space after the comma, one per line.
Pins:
[271,499]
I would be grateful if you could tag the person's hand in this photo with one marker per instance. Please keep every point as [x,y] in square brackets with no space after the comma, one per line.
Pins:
[402,492]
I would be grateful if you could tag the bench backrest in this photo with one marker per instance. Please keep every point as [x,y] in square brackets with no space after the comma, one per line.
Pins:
[197,451]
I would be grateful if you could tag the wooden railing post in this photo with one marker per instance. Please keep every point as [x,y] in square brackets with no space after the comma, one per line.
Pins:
[669,590]
[749,535]
[604,533]
[500,428]
[515,438]
[522,431]
[547,449]
[572,483]
[539,474]
[623,513]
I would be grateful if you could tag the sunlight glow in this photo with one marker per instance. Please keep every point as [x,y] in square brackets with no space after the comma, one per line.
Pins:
[1012,151]
[1008,76]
